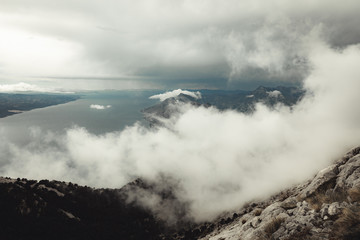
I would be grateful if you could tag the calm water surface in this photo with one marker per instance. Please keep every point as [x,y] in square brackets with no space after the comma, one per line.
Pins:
[124,111]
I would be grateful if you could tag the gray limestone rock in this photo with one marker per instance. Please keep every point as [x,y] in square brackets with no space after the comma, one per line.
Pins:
[289,203]
[255,222]
[324,176]
[334,209]
[349,173]
[279,233]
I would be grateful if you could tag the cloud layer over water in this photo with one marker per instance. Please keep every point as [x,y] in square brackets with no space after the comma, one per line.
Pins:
[25,87]
[99,107]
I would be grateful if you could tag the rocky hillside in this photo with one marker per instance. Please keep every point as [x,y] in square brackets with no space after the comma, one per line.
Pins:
[325,207]
[57,210]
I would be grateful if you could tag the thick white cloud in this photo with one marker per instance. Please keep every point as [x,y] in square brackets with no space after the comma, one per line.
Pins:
[218,160]
[174,93]
[25,87]
[274,94]
[99,107]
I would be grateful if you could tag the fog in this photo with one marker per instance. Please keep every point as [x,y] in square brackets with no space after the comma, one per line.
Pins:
[215,161]
[25,87]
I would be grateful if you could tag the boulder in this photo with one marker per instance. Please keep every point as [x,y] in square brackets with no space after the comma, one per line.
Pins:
[323,177]
[289,203]
[349,173]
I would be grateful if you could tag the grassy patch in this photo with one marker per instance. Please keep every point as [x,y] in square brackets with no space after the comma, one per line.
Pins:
[257,212]
[318,199]
[354,194]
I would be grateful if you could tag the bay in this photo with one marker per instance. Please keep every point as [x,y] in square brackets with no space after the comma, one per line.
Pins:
[125,109]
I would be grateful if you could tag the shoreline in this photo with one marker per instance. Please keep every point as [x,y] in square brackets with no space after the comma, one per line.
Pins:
[11,110]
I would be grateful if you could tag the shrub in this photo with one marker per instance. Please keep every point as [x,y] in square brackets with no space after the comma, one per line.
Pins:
[273,226]
[257,212]
[347,226]
[354,194]
[329,196]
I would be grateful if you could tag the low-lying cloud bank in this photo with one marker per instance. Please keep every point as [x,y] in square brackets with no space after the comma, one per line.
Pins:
[219,160]
[174,93]
[274,94]
[99,107]
[25,87]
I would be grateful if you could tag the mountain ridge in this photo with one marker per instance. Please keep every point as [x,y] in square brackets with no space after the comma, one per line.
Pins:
[240,100]
[324,207]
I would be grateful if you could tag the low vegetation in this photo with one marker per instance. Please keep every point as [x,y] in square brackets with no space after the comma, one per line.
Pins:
[354,194]
[326,196]
[273,226]
[347,226]
[257,212]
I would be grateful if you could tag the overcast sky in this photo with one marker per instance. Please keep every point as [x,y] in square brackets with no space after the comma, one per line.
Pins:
[122,44]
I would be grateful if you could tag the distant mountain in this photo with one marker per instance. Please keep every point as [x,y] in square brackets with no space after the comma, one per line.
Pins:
[244,101]
[239,100]
[167,108]
[16,103]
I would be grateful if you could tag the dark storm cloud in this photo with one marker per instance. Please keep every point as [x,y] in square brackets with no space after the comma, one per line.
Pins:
[230,42]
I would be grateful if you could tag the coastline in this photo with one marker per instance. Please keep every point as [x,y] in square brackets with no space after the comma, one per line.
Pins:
[16,104]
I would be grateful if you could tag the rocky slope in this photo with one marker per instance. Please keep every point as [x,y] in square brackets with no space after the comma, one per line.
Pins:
[325,207]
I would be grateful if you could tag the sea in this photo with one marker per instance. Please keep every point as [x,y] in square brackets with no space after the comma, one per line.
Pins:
[121,109]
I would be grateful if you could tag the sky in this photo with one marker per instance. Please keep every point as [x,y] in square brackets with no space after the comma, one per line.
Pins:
[192,44]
